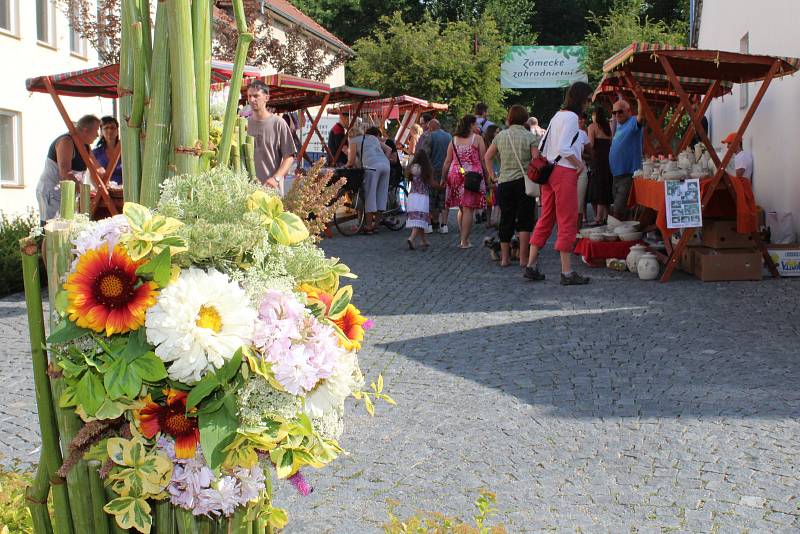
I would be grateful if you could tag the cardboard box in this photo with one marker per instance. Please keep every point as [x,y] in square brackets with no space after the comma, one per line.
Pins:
[721,234]
[725,265]
[786,258]
[687,259]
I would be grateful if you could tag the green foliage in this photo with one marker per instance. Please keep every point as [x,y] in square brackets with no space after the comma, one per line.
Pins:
[627,22]
[12,229]
[14,514]
[437,523]
[434,61]
[514,18]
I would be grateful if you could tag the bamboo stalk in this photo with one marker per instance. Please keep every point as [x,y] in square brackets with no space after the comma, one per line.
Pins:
[165,518]
[250,156]
[187,523]
[242,45]
[184,96]
[99,515]
[237,523]
[205,525]
[147,43]
[67,199]
[51,452]
[85,204]
[201,34]
[115,528]
[242,144]
[157,143]
[259,526]
[58,258]
[129,137]
[236,161]
[36,498]
[136,41]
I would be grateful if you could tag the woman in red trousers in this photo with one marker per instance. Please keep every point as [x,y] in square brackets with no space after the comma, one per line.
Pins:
[560,194]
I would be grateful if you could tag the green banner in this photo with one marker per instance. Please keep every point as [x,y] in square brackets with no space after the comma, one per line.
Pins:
[542,66]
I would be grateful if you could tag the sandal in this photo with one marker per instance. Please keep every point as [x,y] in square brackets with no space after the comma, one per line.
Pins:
[468,245]
[410,244]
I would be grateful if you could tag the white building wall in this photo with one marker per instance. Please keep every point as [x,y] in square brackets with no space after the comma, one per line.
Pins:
[24,57]
[774,133]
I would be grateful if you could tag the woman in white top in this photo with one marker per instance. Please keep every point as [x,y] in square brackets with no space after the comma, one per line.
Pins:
[559,195]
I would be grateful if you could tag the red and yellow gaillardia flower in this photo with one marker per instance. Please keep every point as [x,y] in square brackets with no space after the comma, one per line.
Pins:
[350,322]
[103,294]
[171,419]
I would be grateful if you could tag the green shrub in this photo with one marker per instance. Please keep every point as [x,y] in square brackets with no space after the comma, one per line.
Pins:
[12,229]
[437,523]
[14,514]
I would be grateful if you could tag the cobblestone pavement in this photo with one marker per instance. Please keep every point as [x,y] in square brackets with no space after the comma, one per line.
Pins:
[622,406]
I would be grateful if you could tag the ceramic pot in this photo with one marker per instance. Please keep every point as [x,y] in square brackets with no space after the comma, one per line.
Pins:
[647,267]
[633,257]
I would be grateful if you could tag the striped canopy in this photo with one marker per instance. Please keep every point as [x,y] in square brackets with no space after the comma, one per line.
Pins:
[401,104]
[291,93]
[693,63]
[103,81]
[656,87]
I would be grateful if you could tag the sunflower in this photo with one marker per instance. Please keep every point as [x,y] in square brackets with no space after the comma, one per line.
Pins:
[170,418]
[351,322]
[103,294]
[198,322]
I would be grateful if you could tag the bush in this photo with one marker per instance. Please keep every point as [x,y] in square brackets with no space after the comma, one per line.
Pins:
[437,523]
[14,514]
[12,229]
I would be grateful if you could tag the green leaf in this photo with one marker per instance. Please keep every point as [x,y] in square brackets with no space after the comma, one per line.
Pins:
[120,381]
[201,390]
[67,397]
[110,409]
[217,430]
[90,392]
[135,346]
[230,368]
[131,512]
[70,368]
[136,214]
[149,367]
[158,268]
[340,302]
[66,331]
[62,301]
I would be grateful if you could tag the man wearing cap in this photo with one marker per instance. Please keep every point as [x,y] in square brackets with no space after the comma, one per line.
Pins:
[743,160]
[625,156]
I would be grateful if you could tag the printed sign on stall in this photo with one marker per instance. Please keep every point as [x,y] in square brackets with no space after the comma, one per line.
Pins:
[683,203]
[325,125]
[542,66]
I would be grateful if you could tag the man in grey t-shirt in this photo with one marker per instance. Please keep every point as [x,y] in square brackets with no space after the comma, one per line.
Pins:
[274,147]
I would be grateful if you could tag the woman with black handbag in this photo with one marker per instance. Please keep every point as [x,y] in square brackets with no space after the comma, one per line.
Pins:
[559,196]
[466,177]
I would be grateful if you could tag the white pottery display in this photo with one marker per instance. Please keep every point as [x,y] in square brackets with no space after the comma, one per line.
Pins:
[674,175]
[595,237]
[685,160]
[610,236]
[672,165]
[634,255]
[631,236]
[647,169]
[699,148]
[647,267]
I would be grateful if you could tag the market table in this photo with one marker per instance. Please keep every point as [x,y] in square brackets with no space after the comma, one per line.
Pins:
[592,251]
[651,194]
[682,65]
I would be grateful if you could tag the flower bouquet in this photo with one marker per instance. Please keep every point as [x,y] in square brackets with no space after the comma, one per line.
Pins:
[197,349]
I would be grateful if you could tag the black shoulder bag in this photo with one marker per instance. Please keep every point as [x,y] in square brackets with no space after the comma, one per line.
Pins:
[472,179]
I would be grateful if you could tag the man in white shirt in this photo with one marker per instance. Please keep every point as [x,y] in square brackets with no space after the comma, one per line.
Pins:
[743,160]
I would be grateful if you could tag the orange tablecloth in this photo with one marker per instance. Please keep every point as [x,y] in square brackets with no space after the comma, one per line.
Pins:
[650,193]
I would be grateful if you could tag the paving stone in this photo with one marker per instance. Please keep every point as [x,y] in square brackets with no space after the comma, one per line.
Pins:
[615,406]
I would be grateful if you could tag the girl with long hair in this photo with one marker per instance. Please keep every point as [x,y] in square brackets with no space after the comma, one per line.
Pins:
[420,175]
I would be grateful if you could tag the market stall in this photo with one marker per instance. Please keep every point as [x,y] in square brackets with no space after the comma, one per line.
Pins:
[381,110]
[677,64]
[103,82]
[660,100]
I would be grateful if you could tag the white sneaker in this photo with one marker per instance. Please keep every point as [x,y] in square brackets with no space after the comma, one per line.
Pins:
[429,229]
[443,229]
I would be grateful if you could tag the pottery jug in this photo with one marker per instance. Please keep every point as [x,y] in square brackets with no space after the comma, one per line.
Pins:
[647,267]
[633,257]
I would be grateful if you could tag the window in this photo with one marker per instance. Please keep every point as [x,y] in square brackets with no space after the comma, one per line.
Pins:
[9,148]
[8,16]
[46,22]
[77,43]
[744,89]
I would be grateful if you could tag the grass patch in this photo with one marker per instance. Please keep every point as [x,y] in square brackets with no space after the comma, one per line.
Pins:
[437,523]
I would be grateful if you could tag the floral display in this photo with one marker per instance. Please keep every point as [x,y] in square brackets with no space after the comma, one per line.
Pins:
[208,346]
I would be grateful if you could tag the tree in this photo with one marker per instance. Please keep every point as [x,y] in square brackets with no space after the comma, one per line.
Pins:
[437,62]
[300,55]
[99,24]
[625,23]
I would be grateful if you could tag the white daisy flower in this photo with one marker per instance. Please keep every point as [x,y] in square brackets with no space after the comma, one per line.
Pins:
[331,393]
[199,322]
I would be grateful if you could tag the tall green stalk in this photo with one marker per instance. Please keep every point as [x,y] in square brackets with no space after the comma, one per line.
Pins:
[236,161]
[165,518]
[129,137]
[48,428]
[100,517]
[250,155]
[201,34]
[242,45]
[67,199]
[157,142]
[85,204]
[184,95]
[147,42]
[36,499]
[187,523]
